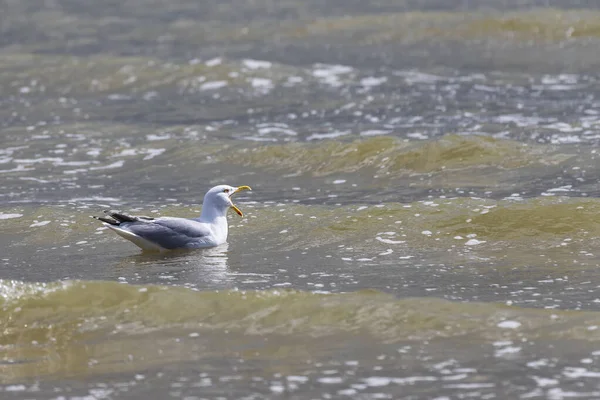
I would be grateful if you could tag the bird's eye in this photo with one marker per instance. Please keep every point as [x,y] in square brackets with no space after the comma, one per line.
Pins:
[226,190]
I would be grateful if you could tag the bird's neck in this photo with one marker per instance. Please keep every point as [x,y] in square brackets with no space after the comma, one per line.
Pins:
[217,221]
[212,215]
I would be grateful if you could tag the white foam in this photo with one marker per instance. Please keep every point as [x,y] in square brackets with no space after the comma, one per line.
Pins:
[565,139]
[576,373]
[564,127]
[117,96]
[127,153]
[331,380]
[566,188]
[94,198]
[277,388]
[509,324]
[324,70]
[373,81]
[213,85]
[260,139]
[389,241]
[418,77]
[417,135]
[544,362]
[411,380]
[474,242]
[506,351]
[329,74]
[151,153]
[40,223]
[560,394]
[116,164]
[29,178]
[94,152]
[295,79]
[543,382]
[266,129]
[9,216]
[330,135]
[213,62]
[15,388]
[570,79]
[377,381]
[152,137]
[261,83]
[374,132]
[256,64]
[73,163]
[470,386]
[38,160]
[519,120]
[18,168]
[297,378]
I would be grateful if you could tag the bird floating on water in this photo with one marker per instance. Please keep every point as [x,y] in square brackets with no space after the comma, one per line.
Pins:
[170,233]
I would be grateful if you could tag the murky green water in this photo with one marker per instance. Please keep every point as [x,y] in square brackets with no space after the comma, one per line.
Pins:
[422,225]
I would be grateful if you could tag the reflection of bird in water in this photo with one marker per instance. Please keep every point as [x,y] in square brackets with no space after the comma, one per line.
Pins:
[169,233]
[204,269]
[212,262]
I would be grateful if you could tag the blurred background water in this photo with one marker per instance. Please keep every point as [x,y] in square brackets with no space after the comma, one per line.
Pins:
[423,223]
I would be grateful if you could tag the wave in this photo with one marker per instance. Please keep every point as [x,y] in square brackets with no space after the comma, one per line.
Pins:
[388,155]
[47,310]
[76,328]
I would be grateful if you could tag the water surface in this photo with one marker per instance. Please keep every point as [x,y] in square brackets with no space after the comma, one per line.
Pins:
[422,224]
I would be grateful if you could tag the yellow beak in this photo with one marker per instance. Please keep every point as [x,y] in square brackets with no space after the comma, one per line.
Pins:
[239,189]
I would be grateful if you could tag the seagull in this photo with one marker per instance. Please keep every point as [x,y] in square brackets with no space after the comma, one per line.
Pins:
[170,233]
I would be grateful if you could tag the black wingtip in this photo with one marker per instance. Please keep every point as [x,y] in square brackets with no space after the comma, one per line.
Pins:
[108,220]
[117,217]
[121,217]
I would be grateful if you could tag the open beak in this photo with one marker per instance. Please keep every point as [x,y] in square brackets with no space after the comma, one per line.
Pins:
[239,189]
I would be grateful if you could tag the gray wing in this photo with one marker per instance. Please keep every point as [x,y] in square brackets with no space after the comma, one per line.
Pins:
[171,233]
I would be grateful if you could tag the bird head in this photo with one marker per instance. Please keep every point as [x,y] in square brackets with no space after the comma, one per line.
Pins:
[220,196]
